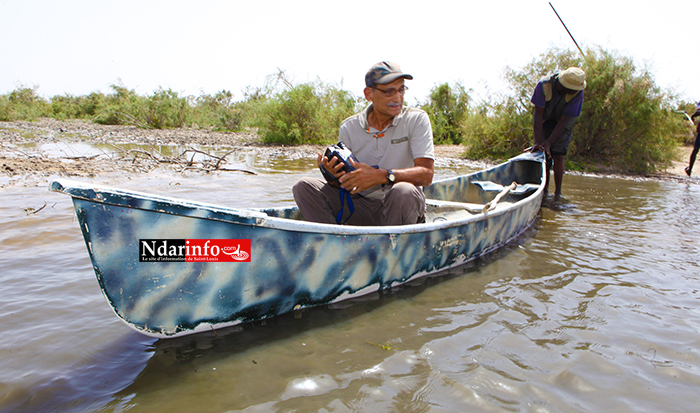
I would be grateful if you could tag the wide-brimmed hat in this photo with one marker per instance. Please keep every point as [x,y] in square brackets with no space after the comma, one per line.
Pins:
[384,72]
[573,78]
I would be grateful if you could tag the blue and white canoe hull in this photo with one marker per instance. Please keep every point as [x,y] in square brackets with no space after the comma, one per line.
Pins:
[285,263]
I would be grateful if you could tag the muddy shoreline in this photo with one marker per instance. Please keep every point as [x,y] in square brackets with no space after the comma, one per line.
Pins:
[17,162]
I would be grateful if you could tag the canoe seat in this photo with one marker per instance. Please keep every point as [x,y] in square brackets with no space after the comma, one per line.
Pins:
[449,205]
[490,186]
[438,210]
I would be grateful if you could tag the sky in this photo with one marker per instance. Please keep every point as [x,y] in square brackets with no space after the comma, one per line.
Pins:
[201,47]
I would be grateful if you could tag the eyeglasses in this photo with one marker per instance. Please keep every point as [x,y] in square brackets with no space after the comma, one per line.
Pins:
[391,92]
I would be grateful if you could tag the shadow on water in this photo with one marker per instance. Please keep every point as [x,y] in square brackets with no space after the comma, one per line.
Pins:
[563,317]
[176,359]
[134,366]
[561,204]
[91,383]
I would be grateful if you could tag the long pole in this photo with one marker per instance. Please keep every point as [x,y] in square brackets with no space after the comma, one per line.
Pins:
[567,29]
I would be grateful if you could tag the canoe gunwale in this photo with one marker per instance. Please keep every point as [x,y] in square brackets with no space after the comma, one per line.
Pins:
[256,216]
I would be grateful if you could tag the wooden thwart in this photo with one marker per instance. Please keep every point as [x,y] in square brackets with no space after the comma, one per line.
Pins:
[471,207]
[491,205]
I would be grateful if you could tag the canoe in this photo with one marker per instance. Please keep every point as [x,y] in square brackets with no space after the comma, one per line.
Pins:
[170,267]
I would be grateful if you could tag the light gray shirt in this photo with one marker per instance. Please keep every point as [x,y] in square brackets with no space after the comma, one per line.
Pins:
[409,136]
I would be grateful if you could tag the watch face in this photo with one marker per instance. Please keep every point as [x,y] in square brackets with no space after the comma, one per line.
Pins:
[392,178]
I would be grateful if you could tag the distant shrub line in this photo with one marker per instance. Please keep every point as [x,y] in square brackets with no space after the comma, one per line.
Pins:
[628,122]
[163,109]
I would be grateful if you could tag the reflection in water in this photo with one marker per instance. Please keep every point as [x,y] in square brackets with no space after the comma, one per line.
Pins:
[595,308]
[343,333]
[235,158]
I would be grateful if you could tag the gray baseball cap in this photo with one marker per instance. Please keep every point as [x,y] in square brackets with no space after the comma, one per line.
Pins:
[384,72]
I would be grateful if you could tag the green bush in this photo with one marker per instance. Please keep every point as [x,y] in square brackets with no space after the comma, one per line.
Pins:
[77,107]
[497,130]
[5,110]
[23,104]
[166,110]
[447,109]
[626,122]
[122,107]
[218,112]
[252,106]
[307,113]
[688,131]
[65,107]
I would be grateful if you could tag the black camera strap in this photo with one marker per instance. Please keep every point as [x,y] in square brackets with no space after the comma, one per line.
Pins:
[344,194]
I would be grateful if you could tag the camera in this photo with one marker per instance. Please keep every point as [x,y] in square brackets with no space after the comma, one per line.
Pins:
[343,154]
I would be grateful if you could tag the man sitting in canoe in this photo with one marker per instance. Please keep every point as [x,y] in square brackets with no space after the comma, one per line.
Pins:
[394,147]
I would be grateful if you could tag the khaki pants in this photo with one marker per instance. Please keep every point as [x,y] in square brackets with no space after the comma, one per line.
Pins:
[402,204]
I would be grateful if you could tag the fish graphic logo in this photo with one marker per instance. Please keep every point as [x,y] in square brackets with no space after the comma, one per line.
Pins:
[235,253]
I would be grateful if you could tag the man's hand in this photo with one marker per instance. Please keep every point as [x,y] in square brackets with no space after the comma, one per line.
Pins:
[363,177]
[544,146]
[333,166]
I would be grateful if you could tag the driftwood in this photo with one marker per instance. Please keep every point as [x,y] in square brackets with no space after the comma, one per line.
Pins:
[32,211]
[81,158]
[141,160]
[183,162]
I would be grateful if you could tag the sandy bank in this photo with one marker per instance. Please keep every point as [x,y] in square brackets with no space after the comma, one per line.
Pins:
[17,138]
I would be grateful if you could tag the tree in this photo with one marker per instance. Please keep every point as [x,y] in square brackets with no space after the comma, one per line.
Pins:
[447,109]
[627,121]
[306,113]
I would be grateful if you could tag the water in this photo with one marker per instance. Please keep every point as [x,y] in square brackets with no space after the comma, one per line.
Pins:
[595,308]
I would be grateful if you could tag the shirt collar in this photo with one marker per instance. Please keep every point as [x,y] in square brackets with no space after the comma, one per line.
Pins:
[365,113]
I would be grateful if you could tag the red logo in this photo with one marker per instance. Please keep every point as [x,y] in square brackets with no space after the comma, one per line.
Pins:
[194,250]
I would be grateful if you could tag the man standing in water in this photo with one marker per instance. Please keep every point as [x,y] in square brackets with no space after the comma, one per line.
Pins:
[394,147]
[689,168]
[558,99]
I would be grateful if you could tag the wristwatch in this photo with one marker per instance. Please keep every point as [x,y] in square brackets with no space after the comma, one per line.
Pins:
[390,176]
